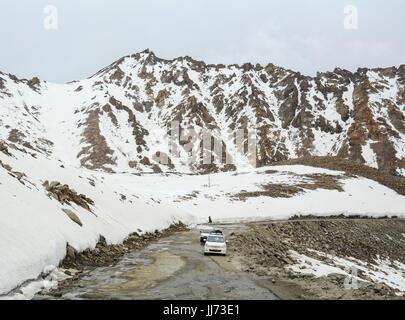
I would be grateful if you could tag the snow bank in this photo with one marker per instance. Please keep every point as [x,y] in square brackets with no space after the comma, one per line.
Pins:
[361,196]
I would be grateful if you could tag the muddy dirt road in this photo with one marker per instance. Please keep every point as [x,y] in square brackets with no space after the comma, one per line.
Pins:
[171,268]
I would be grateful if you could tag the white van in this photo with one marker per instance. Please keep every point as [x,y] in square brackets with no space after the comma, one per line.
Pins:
[215,243]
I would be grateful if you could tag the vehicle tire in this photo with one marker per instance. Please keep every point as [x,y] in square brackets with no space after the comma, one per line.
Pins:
[205,253]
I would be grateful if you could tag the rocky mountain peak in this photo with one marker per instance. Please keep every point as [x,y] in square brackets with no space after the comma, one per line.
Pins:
[120,119]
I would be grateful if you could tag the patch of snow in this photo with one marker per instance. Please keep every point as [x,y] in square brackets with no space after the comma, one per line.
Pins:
[27,291]
[369,156]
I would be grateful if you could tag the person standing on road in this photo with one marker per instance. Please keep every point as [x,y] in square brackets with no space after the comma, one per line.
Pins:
[209,219]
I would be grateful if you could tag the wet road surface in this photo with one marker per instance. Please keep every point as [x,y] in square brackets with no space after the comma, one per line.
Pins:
[172,268]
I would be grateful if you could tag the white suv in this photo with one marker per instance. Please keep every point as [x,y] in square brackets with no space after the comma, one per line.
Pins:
[215,243]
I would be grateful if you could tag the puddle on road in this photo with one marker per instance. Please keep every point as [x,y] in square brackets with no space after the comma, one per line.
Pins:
[164,264]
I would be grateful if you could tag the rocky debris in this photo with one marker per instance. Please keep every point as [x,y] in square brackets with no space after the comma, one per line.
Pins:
[265,249]
[15,147]
[145,161]
[156,169]
[2,86]
[271,190]
[382,290]
[18,175]
[4,149]
[34,83]
[72,216]
[15,174]
[6,166]
[91,182]
[313,182]
[290,286]
[337,216]
[16,136]
[70,252]
[190,196]
[65,195]
[118,75]
[351,168]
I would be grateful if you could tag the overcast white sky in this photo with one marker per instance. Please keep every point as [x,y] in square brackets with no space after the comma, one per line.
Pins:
[303,35]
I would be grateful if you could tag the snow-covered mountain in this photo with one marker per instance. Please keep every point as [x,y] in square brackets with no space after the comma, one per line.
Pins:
[71,154]
[119,119]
